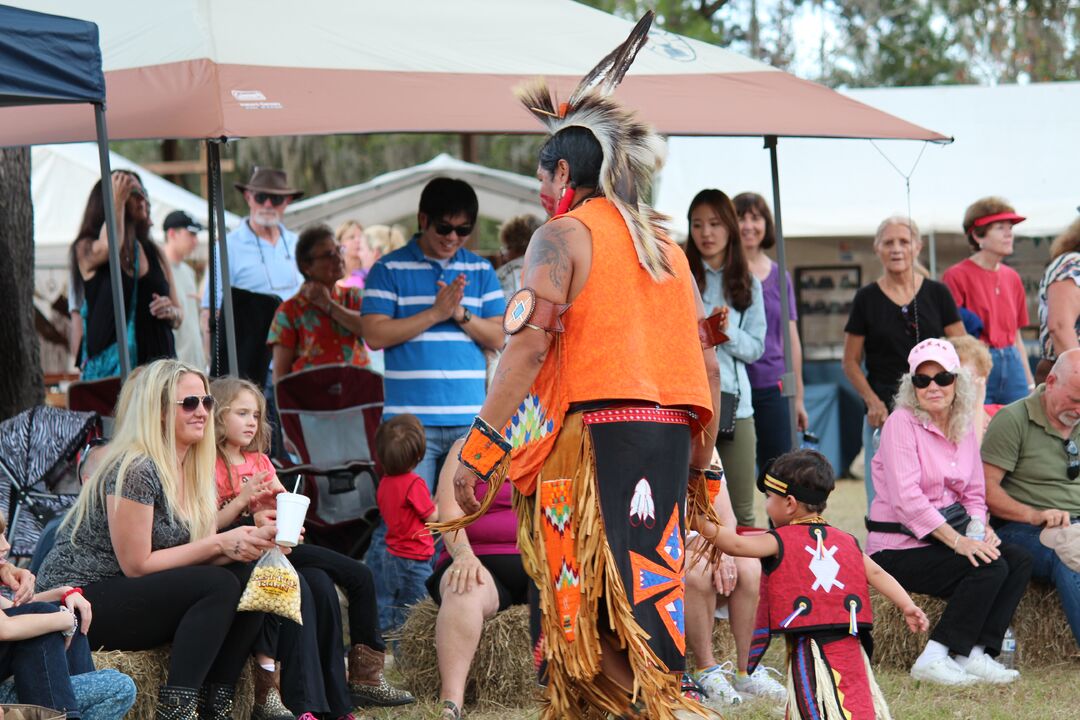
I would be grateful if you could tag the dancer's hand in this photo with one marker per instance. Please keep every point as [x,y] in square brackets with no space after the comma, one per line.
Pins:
[465,490]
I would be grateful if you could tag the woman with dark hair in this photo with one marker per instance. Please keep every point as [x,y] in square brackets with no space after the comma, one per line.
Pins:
[156,311]
[771,413]
[320,325]
[726,283]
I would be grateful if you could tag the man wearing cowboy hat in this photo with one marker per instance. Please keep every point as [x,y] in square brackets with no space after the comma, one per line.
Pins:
[262,252]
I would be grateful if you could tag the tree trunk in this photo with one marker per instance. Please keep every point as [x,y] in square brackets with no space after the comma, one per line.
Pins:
[21,382]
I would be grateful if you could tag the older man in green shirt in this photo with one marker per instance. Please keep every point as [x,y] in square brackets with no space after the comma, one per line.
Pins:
[1032,464]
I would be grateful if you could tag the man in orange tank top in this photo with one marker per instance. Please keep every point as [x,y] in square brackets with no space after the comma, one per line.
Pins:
[601,409]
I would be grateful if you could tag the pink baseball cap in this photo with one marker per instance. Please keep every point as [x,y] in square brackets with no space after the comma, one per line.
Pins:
[933,350]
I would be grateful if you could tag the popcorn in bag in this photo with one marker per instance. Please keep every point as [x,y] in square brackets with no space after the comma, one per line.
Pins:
[274,587]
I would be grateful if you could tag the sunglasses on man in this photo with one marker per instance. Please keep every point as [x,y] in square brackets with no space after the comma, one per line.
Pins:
[1072,469]
[275,200]
[942,379]
[444,228]
[191,403]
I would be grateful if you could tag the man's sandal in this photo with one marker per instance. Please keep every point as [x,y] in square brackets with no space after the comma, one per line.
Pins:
[450,711]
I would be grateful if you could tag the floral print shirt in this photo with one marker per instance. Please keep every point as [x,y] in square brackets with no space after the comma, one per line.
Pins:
[316,338]
[1063,268]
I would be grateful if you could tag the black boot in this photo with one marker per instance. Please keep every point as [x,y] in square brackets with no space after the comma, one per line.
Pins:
[216,702]
[177,703]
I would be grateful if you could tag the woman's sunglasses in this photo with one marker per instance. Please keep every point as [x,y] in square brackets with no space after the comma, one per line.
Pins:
[191,403]
[942,379]
[445,228]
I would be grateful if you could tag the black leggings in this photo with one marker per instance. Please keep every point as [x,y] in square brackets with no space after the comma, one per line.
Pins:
[355,580]
[194,608]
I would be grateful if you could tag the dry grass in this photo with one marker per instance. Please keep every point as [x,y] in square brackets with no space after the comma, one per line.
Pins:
[149,670]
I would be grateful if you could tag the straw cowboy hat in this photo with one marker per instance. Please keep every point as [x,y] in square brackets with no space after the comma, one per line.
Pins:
[269,180]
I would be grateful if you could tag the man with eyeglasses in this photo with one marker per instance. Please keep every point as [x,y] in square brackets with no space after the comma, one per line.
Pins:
[262,251]
[435,307]
[1032,464]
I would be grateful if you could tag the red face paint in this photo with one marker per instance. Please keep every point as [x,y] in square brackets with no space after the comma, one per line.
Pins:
[548,202]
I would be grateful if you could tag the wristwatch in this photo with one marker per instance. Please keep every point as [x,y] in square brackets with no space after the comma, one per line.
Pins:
[466,316]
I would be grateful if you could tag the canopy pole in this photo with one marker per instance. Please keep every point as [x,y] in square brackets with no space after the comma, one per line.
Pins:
[933,253]
[115,277]
[217,217]
[787,380]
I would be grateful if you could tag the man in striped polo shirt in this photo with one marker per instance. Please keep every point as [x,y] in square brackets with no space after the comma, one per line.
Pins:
[436,307]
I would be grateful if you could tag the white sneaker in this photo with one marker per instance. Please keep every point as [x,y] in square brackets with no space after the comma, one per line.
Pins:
[761,683]
[988,669]
[943,671]
[718,691]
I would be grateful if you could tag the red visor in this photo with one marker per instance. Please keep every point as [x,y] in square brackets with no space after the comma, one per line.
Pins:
[998,217]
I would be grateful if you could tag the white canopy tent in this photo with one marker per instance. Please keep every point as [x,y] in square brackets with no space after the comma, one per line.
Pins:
[394,195]
[1017,141]
[60,181]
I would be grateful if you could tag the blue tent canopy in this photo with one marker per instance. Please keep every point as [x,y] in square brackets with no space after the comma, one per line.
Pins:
[48,59]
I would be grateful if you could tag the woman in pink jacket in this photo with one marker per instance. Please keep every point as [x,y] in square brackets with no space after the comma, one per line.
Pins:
[928,521]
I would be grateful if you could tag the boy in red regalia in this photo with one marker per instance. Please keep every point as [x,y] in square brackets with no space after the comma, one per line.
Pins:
[814,590]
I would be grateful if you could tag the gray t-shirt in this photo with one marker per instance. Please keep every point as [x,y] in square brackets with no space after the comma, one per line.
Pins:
[90,557]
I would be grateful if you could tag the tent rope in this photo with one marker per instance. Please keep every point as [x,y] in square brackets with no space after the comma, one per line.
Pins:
[907,176]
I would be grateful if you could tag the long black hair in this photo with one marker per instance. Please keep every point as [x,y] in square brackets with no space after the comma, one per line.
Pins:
[737,283]
[90,229]
[581,151]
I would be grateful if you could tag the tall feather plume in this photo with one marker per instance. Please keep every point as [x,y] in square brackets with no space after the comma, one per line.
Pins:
[632,150]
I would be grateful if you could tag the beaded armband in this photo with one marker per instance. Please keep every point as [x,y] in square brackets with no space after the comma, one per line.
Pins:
[484,450]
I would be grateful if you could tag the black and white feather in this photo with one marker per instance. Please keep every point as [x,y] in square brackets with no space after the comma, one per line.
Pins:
[633,151]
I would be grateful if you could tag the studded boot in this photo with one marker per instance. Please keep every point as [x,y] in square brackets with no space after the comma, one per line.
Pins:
[177,703]
[216,702]
[268,704]
[367,685]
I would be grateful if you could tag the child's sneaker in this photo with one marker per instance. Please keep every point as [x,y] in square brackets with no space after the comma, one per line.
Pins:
[761,684]
[718,690]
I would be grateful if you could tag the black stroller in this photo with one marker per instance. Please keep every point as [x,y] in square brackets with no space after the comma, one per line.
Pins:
[39,448]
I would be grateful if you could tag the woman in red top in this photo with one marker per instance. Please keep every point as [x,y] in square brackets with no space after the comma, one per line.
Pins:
[994,293]
[320,325]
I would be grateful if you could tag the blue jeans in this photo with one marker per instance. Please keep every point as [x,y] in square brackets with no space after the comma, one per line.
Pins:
[1047,566]
[41,664]
[401,584]
[439,440]
[772,420]
[1007,381]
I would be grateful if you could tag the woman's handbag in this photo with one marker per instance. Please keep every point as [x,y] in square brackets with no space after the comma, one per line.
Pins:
[729,403]
[107,362]
[956,515]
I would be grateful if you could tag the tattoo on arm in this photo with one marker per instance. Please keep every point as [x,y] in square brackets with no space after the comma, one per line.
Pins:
[550,247]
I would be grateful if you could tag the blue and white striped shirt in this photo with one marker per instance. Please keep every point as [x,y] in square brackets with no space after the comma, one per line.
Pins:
[439,374]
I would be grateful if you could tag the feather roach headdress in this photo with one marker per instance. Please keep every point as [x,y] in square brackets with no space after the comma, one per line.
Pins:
[632,149]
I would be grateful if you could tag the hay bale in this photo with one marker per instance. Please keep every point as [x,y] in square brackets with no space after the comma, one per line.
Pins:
[501,674]
[1042,632]
[150,668]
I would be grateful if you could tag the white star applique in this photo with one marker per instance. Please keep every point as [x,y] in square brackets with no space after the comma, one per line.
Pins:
[824,567]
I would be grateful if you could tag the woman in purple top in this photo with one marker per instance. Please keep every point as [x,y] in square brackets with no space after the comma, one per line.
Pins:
[928,524]
[477,575]
[771,413]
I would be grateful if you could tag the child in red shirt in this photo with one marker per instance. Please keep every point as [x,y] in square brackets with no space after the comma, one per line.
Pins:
[405,505]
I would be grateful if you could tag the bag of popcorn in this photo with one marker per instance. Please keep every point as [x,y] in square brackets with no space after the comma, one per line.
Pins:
[274,587]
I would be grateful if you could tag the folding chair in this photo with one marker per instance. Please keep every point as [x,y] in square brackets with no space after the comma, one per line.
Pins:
[38,448]
[96,396]
[329,415]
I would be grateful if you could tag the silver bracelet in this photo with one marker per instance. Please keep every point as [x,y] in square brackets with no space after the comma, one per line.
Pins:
[74,623]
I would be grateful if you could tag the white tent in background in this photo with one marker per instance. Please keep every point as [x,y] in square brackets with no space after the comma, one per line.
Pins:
[60,180]
[1017,141]
[394,195]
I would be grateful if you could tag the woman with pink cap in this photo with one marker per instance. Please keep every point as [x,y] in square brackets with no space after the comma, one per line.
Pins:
[928,518]
[993,294]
